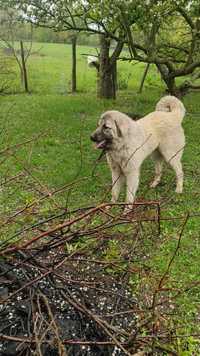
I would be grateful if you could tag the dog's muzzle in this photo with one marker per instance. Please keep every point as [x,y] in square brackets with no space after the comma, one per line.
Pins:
[100,141]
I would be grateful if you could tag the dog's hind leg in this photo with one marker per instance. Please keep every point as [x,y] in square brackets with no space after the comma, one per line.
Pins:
[174,160]
[158,168]
[177,166]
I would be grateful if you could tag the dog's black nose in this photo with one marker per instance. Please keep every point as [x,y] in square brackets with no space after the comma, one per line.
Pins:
[92,137]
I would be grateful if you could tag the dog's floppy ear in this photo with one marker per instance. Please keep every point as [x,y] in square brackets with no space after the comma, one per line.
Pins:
[119,132]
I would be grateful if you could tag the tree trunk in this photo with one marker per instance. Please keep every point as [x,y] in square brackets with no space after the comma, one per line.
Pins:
[143,78]
[170,82]
[171,86]
[24,71]
[114,78]
[107,88]
[74,41]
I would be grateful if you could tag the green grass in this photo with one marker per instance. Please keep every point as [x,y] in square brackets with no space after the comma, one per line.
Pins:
[65,154]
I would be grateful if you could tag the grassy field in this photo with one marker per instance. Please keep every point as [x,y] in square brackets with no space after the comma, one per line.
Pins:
[64,154]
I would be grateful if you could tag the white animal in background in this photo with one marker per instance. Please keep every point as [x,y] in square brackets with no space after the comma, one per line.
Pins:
[93,61]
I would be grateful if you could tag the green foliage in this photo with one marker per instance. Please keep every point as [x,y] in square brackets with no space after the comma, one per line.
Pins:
[81,245]
[188,347]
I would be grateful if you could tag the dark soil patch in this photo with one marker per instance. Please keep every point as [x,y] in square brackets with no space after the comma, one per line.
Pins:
[80,302]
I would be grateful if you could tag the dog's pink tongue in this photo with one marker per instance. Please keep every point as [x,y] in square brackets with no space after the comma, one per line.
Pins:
[100,144]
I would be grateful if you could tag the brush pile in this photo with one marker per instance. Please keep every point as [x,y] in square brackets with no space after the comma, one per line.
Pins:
[67,284]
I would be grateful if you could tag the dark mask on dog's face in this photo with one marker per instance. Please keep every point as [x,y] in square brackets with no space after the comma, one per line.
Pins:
[107,132]
[103,136]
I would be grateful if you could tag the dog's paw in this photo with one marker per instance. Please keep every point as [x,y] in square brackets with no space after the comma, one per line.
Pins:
[127,210]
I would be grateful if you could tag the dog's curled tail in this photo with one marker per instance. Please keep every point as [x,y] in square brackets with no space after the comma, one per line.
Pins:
[170,103]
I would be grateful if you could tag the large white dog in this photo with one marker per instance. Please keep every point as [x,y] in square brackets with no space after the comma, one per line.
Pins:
[127,143]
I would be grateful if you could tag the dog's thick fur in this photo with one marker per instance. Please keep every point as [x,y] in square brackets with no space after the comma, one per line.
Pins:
[127,143]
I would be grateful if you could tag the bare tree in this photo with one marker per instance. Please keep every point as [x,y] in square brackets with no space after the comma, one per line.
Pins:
[21,54]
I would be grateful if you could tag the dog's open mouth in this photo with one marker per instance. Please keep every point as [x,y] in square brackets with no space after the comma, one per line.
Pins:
[101,144]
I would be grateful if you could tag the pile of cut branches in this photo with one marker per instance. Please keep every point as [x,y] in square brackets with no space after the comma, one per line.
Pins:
[69,289]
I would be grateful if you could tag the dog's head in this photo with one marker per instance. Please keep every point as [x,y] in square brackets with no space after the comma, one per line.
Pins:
[110,128]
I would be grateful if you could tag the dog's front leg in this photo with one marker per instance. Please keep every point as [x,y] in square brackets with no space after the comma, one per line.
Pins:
[132,181]
[117,181]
